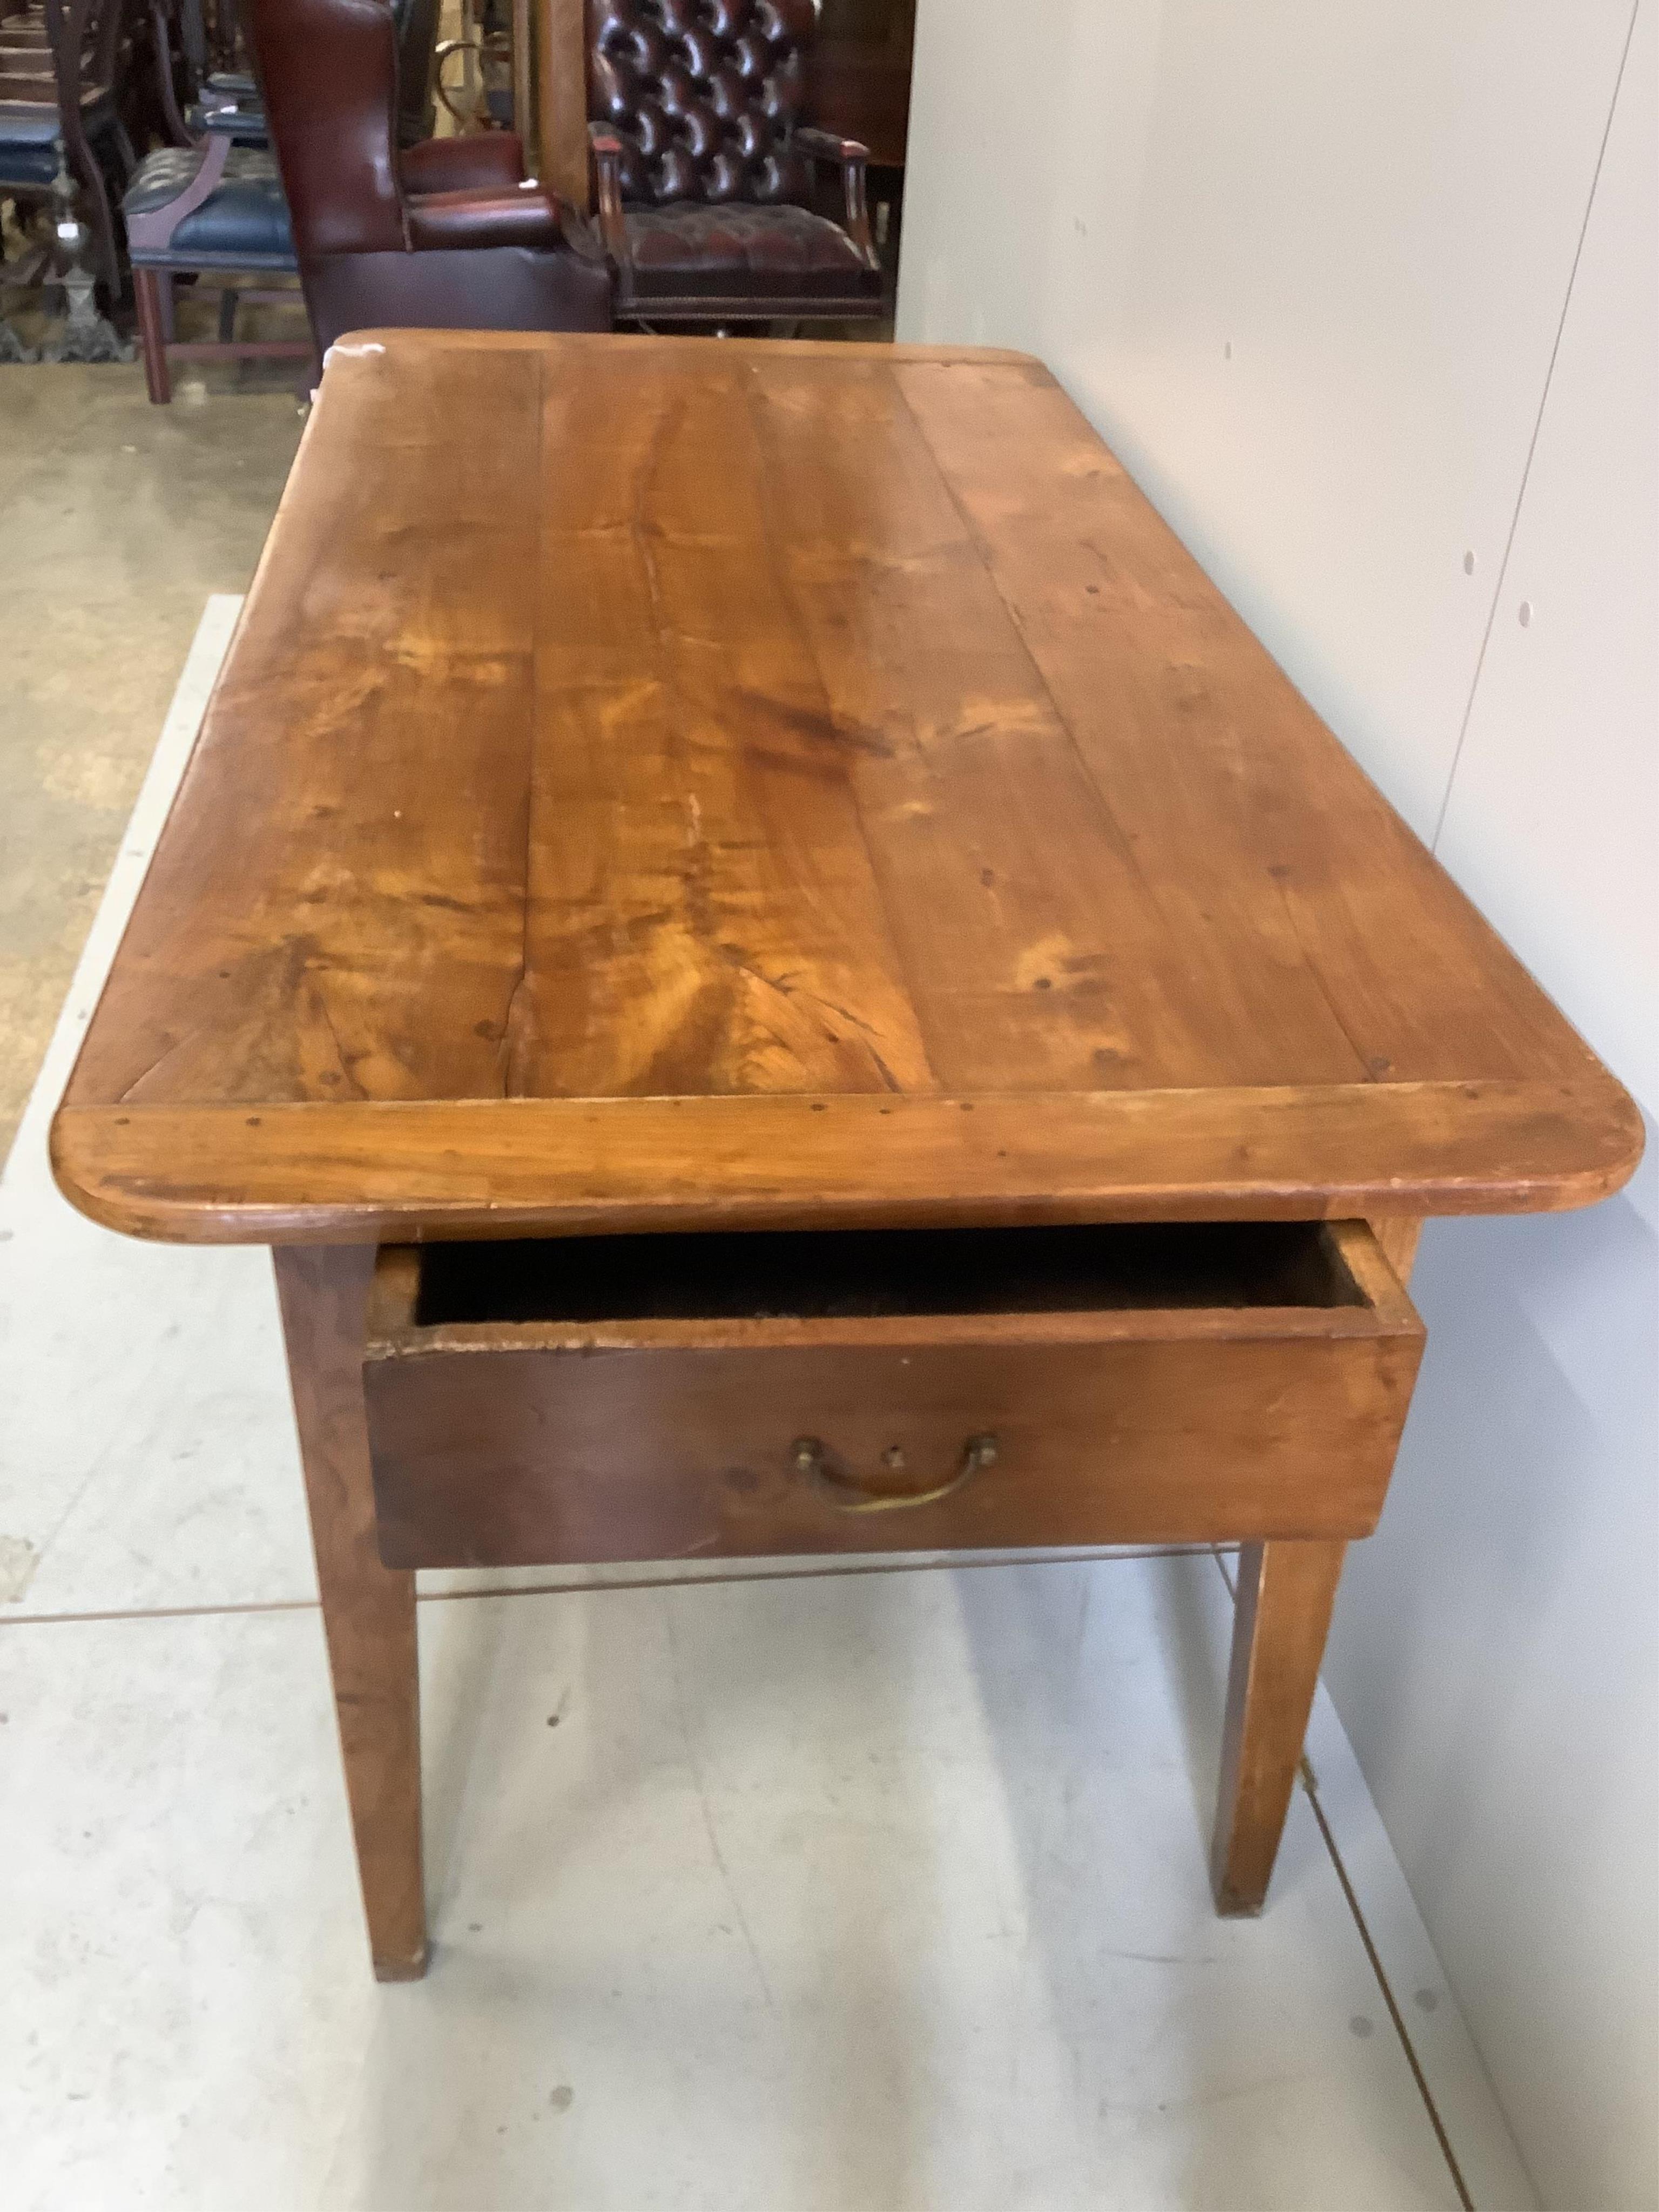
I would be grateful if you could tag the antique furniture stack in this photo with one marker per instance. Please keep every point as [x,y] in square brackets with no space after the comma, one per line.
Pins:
[67,75]
[782,975]
[296,141]
[213,205]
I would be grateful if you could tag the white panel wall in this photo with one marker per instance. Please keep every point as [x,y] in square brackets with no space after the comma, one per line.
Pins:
[1514,1740]
[1308,268]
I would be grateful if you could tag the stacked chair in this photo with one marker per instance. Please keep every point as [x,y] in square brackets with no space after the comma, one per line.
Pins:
[209,206]
[65,71]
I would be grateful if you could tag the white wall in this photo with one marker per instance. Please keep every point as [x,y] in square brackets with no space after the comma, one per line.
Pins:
[1358,292]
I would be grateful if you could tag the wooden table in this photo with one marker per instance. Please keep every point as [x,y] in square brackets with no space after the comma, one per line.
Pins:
[794,791]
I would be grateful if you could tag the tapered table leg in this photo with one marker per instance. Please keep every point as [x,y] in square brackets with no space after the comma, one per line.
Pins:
[368,1610]
[1285,1591]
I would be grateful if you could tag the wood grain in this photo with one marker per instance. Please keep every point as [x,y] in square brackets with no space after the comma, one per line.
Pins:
[369,1609]
[561,74]
[1398,1235]
[525,119]
[762,754]
[1284,1595]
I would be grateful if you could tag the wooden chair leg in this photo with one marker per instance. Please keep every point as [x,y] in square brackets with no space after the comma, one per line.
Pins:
[1286,1592]
[369,1609]
[103,227]
[152,320]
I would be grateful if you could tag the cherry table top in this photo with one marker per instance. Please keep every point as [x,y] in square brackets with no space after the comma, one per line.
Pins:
[660,783]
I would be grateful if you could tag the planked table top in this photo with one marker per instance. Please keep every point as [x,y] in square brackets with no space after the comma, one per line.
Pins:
[660,783]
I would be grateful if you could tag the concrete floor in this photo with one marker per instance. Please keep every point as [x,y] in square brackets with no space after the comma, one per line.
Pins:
[117,518]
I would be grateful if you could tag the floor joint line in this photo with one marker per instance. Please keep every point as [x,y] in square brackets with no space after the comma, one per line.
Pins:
[582,1590]
[1389,1998]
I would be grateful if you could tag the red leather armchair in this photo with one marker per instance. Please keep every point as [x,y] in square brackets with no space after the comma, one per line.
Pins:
[449,235]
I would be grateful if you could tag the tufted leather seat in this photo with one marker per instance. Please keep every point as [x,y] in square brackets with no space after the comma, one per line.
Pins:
[705,169]
[714,250]
[242,224]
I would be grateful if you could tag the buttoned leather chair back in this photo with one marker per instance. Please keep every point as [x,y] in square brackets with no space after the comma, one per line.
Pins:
[705,166]
[704,95]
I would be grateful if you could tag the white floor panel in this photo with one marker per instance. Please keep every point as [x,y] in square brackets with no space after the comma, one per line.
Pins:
[874,1892]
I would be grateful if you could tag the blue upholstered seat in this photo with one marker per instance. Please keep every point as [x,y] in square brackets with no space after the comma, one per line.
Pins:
[29,160]
[242,224]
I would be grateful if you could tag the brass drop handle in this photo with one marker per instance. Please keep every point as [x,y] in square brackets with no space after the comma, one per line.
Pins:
[811,1460]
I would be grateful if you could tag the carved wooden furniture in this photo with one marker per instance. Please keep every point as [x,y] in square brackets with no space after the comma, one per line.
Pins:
[63,68]
[784,976]
[448,234]
[704,165]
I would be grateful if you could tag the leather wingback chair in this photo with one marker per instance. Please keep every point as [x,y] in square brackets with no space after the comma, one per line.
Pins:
[448,236]
[705,167]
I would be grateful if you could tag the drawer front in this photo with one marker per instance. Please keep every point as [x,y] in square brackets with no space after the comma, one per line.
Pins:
[496,1447]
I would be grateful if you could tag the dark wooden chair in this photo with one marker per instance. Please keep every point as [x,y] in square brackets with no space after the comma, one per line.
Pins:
[705,168]
[450,234]
[195,58]
[62,67]
[203,63]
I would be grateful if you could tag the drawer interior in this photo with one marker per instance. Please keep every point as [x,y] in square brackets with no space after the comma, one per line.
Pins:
[845,1274]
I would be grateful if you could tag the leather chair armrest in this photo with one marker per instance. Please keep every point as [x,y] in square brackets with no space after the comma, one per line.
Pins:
[525,217]
[606,149]
[854,158]
[829,145]
[489,160]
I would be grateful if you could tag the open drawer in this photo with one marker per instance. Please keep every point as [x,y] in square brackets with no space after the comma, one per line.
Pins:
[591,1399]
